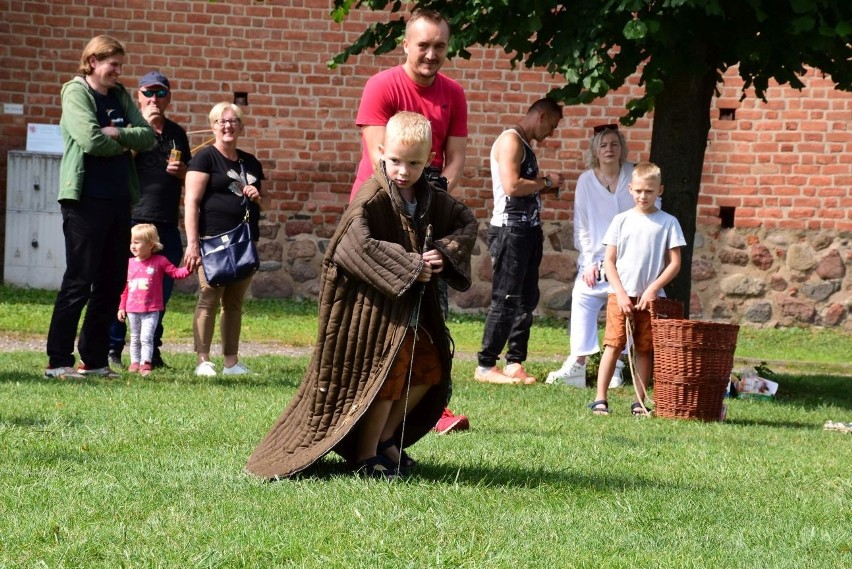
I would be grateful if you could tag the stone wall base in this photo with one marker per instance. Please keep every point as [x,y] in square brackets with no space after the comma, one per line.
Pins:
[748,276]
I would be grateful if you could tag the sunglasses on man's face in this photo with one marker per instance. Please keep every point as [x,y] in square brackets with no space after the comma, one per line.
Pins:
[160,93]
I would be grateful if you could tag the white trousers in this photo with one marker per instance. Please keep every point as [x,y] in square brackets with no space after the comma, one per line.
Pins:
[586,304]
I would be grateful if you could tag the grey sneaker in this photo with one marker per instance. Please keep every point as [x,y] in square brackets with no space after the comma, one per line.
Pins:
[115,360]
[62,373]
[572,373]
[105,372]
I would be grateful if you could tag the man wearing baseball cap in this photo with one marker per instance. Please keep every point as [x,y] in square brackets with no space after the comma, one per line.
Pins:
[161,171]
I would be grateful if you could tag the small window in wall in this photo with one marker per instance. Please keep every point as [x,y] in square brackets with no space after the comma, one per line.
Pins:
[726,214]
[727,114]
[241,98]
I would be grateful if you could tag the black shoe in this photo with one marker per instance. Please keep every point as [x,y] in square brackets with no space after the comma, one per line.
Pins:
[115,360]
[157,362]
[379,467]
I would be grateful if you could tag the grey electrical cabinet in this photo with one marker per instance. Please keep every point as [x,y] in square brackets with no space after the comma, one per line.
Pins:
[35,245]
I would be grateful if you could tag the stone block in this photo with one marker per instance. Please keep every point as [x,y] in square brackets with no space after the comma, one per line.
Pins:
[801,257]
[271,285]
[302,249]
[761,257]
[831,266]
[759,312]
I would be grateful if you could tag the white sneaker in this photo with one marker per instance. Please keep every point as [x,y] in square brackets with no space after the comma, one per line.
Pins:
[236,369]
[617,377]
[205,369]
[572,373]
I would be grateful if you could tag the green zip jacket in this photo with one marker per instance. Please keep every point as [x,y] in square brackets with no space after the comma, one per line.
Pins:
[82,135]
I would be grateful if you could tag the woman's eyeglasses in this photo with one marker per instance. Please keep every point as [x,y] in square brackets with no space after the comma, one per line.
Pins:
[160,93]
[225,122]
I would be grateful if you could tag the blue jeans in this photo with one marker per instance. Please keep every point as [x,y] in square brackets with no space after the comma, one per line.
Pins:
[97,238]
[173,251]
[515,256]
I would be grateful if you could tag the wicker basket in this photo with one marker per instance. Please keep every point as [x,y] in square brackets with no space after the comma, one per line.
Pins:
[692,366]
[666,308]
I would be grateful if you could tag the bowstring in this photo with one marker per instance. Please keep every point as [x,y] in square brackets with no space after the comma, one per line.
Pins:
[631,352]
[416,322]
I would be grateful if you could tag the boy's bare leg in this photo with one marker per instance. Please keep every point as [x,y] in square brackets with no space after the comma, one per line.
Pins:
[370,428]
[643,370]
[395,418]
[605,370]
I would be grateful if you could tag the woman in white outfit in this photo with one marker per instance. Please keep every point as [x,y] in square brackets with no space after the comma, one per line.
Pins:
[601,194]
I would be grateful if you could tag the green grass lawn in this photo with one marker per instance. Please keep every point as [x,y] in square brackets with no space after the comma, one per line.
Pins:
[148,473]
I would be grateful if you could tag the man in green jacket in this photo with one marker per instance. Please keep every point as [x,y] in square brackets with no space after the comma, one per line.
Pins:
[100,127]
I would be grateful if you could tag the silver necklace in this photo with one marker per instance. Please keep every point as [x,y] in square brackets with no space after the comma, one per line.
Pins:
[607,182]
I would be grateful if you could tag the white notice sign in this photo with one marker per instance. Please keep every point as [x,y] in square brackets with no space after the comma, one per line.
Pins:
[44,138]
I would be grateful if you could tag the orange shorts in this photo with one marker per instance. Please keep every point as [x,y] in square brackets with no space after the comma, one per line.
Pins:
[616,327]
[425,369]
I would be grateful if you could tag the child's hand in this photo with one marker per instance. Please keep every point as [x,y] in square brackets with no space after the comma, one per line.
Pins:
[434,258]
[624,303]
[425,273]
[122,315]
[645,300]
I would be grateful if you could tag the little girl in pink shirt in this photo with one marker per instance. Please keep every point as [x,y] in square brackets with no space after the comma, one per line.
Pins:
[142,299]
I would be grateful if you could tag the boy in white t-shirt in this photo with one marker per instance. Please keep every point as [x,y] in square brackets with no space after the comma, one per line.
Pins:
[642,256]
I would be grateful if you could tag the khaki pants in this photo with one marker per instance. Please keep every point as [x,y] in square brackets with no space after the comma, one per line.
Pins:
[230,297]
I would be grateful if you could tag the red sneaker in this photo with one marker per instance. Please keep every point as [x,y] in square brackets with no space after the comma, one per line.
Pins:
[450,422]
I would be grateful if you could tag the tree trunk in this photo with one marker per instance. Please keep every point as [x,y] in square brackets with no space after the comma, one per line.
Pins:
[678,143]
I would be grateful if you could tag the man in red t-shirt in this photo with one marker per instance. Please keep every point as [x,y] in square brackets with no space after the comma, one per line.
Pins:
[417,86]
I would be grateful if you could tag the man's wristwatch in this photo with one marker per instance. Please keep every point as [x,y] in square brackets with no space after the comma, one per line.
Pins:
[547,183]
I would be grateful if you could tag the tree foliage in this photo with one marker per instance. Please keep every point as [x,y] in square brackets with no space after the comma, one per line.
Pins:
[679,48]
[596,45]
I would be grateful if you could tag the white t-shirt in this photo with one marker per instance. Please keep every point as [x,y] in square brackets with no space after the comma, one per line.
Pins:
[594,209]
[641,242]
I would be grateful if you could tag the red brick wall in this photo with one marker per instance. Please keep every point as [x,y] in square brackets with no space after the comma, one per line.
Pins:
[785,164]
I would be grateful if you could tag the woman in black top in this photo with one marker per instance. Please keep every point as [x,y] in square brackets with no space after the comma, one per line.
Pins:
[218,178]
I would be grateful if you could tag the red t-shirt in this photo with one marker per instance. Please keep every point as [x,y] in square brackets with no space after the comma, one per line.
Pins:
[391,91]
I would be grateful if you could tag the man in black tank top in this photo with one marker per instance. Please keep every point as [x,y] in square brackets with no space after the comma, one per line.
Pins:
[515,243]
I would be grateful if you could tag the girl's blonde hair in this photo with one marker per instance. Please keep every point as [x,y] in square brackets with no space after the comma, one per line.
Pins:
[147,233]
[101,47]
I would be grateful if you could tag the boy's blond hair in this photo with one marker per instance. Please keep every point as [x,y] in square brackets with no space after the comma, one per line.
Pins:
[147,233]
[410,129]
[648,171]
